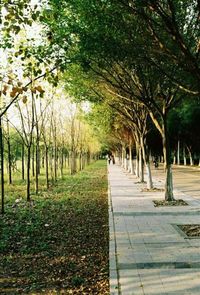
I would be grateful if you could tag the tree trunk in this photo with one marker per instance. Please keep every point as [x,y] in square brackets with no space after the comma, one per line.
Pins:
[88,158]
[28,173]
[120,155]
[73,162]
[123,156]
[167,163]
[149,176]
[147,164]
[9,156]
[38,157]
[178,153]
[23,168]
[125,162]
[137,161]
[47,166]
[55,162]
[2,167]
[64,160]
[61,162]
[131,160]
[51,164]
[37,167]
[33,159]
[190,156]
[184,157]
[174,161]
[141,166]
[43,160]
[68,161]
[81,161]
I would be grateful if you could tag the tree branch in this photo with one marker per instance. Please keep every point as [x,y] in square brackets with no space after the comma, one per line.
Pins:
[29,83]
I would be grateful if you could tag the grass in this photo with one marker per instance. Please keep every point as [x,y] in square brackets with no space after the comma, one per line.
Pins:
[57,244]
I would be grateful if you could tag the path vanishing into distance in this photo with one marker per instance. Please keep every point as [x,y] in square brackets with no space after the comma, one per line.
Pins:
[149,254]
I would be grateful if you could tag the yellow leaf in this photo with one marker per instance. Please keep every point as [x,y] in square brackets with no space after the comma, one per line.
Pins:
[17,90]
[33,90]
[12,94]
[24,99]
[39,89]
[5,88]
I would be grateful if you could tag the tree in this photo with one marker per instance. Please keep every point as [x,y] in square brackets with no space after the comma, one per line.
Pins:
[2,167]
[173,28]
[186,117]
[124,60]
[7,136]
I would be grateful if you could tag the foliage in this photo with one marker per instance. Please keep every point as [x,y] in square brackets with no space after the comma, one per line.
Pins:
[186,118]
[59,242]
[14,17]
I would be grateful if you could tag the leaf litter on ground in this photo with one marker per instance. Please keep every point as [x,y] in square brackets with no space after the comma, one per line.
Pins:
[59,245]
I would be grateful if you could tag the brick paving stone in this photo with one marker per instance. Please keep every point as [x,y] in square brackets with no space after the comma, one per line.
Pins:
[148,255]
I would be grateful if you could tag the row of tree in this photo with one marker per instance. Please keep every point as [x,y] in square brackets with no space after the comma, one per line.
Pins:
[38,137]
[139,57]
[41,129]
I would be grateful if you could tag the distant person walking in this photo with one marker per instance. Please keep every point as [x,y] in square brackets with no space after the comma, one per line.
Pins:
[113,159]
[109,159]
[155,162]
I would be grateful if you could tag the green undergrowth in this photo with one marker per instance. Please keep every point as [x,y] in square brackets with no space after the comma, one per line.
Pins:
[57,243]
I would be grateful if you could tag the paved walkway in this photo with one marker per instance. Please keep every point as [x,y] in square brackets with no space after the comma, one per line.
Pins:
[148,254]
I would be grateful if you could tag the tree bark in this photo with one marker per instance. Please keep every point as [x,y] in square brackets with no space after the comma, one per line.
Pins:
[23,168]
[184,157]
[2,168]
[123,156]
[73,162]
[55,161]
[88,158]
[47,166]
[81,161]
[141,166]
[61,162]
[174,161]
[190,156]
[125,162]
[131,159]
[28,173]
[178,153]
[167,163]
[33,159]
[137,161]
[51,164]
[147,164]
[9,156]
[37,167]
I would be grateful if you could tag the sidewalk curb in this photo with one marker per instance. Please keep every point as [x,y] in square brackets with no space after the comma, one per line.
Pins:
[113,263]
